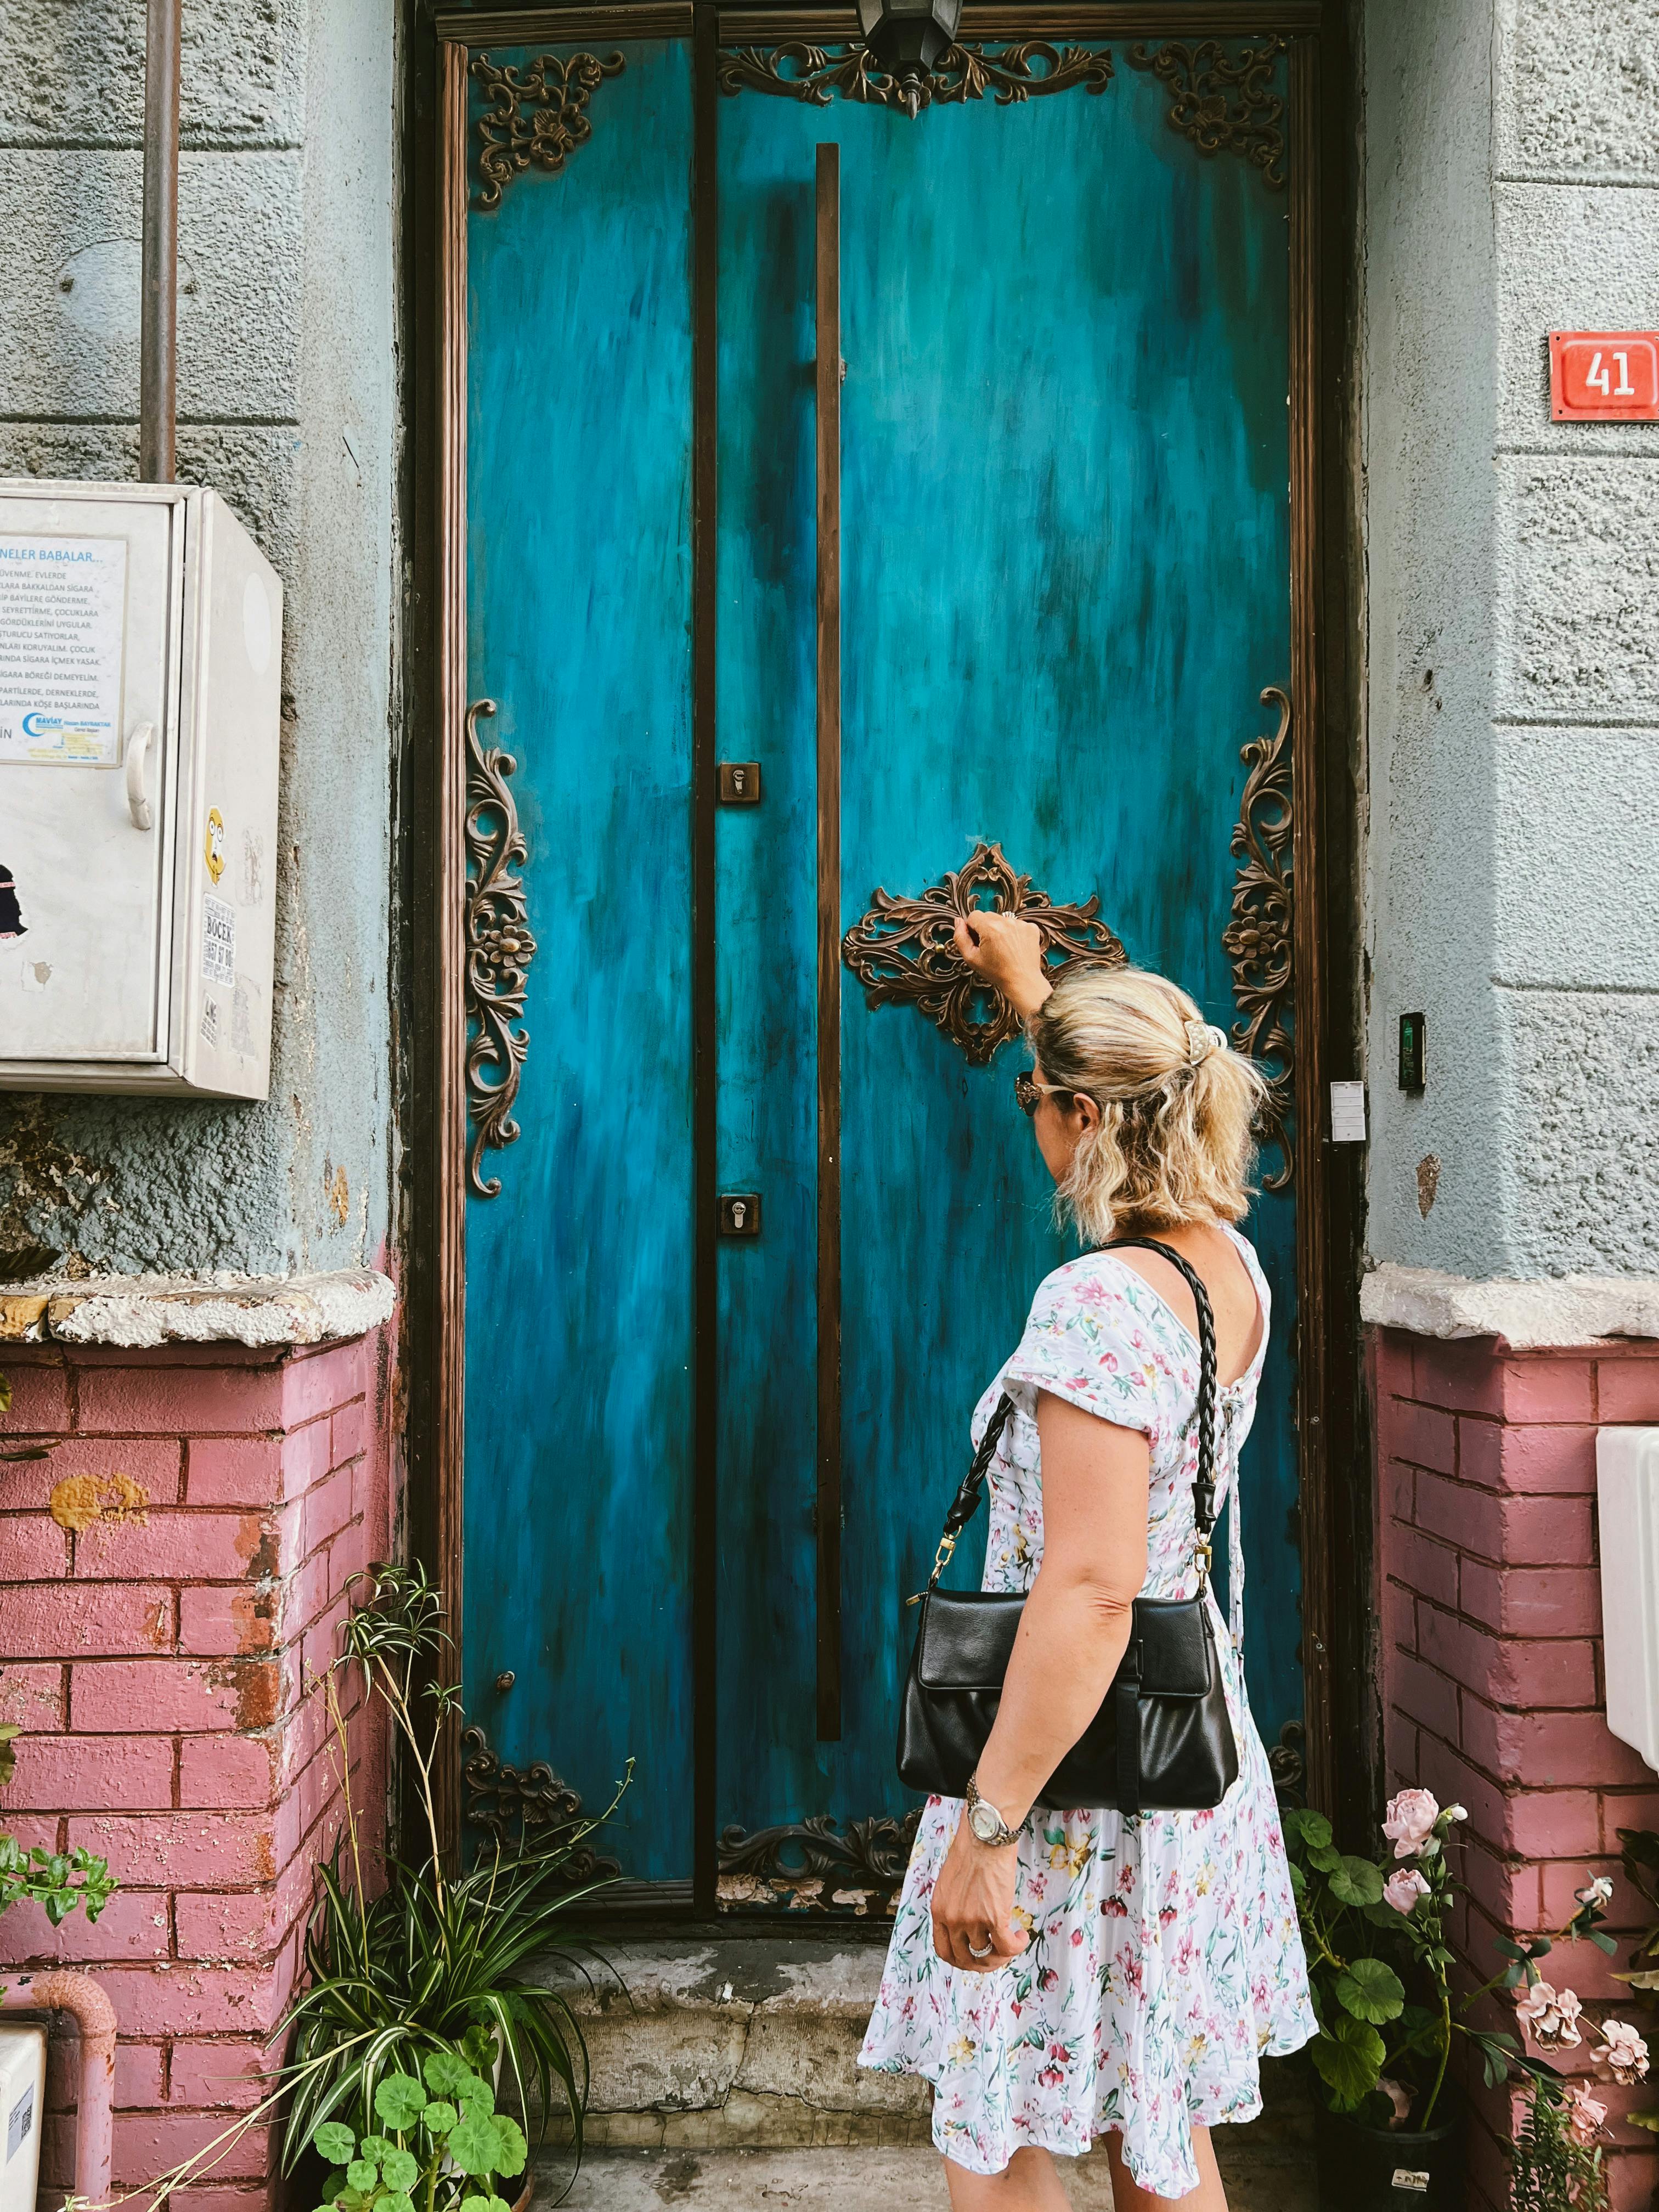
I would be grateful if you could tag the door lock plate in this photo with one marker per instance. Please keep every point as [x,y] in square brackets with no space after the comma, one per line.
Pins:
[739,783]
[740,1213]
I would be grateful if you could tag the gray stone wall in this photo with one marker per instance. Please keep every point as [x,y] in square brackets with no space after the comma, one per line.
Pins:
[288,391]
[1511,187]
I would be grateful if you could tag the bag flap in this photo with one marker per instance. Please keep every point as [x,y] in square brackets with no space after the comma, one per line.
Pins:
[967,1638]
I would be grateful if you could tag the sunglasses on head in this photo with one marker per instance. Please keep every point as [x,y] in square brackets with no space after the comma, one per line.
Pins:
[1029,1091]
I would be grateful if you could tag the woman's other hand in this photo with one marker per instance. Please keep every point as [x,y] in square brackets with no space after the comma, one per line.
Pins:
[1007,953]
[974,1904]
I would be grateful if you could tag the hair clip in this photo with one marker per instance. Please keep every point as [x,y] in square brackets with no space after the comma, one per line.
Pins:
[1202,1039]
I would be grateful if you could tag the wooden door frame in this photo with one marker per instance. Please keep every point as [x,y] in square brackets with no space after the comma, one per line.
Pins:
[1335,1482]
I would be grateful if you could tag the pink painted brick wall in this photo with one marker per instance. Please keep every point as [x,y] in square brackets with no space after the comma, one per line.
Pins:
[159,1663]
[1492,1654]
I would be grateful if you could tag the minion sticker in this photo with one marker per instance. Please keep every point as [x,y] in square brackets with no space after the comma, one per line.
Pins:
[214,843]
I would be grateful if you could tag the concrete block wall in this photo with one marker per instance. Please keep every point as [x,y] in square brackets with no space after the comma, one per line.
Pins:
[1493,1688]
[288,367]
[176,1576]
[1511,187]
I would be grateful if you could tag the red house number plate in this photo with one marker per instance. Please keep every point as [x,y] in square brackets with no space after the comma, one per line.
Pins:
[1604,376]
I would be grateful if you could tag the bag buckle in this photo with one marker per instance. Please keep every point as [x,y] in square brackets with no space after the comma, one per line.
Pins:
[1203,1556]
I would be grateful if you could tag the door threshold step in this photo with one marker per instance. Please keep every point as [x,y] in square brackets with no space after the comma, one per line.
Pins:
[864,2179]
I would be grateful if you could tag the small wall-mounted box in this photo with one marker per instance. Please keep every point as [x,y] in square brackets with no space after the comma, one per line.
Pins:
[22,2112]
[1627,1510]
[140,701]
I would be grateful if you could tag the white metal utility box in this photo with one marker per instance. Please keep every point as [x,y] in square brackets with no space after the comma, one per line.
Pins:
[140,705]
[1627,1512]
[22,2104]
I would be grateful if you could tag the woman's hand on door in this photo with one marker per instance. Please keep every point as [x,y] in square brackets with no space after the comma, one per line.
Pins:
[1008,954]
[974,1905]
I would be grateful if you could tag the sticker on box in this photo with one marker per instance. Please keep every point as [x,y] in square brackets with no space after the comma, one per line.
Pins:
[63,615]
[218,941]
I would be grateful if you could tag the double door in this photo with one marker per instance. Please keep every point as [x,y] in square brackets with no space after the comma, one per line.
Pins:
[997,570]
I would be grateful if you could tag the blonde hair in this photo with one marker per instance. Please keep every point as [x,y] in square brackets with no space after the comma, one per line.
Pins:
[1176,1104]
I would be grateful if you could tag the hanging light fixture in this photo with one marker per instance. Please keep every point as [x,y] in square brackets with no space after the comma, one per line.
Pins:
[906,38]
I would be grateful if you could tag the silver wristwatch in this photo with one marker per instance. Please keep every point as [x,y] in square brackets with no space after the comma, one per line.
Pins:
[985,1824]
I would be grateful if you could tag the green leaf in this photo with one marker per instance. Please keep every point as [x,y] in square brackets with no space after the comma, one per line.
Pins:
[496,2204]
[1313,1828]
[1325,1856]
[513,2148]
[1371,1991]
[1348,2058]
[399,2169]
[397,2201]
[335,2142]
[1646,1978]
[1650,2120]
[439,2116]
[476,2145]
[1603,1942]
[375,2146]
[399,2101]
[1356,1881]
[444,2071]
[362,2173]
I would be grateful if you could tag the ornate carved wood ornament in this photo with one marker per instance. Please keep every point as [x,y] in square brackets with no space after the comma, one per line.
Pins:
[1225,100]
[1257,940]
[819,74]
[528,1805]
[499,951]
[903,951]
[539,117]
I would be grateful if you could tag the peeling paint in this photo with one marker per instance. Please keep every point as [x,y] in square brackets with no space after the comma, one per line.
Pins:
[80,1500]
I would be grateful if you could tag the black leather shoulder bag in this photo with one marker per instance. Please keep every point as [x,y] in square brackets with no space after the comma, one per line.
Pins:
[1161,1740]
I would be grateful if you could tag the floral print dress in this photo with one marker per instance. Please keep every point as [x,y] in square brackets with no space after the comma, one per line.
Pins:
[1165,1958]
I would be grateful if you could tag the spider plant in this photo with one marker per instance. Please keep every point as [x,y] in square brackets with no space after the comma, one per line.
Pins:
[436,1960]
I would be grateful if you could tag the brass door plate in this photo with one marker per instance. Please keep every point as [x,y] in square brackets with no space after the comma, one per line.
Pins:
[740,783]
[740,1213]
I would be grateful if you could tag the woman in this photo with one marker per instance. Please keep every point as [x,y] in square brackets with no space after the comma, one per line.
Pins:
[1086,1975]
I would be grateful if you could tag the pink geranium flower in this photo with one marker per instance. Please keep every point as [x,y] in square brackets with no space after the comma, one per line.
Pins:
[1403,1887]
[1623,2054]
[1550,2015]
[1409,1821]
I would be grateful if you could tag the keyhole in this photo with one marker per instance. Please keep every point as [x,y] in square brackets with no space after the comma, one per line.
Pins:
[740,1214]
[737,780]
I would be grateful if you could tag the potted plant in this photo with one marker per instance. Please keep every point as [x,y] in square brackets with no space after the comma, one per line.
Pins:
[1387,2124]
[440,2143]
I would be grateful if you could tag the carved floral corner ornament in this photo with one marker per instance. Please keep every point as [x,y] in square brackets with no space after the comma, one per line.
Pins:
[538,118]
[1257,940]
[526,1806]
[1223,99]
[814,1865]
[817,74]
[499,951]
[904,951]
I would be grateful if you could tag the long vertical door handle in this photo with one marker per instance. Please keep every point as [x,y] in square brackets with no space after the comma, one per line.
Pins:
[828,259]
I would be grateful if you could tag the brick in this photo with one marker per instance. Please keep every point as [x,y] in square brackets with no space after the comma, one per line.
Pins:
[234,1773]
[33,1548]
[185,1546]
[1463,1375]
[316,1381]
[133,1925]
[152,1462]
[1399,1492]
[328,1508]
[348,1436]
[1541,1457]
[1509,1529]
[250,2196]
[369,1502]
[151,2143]
[322,1643]
[230,1925]
[50,1621]
[182,1695]
[1545,1750]
[226,1621]
[195,2000]
[1509,1670]
[1399,1618]
[1549,1824]
[1533,1600]
[32,1698]
[306,1457]
[1424,1436]
[1559,1878]
[1425,1567]
[236,1470]
[202,1848]
[138,2068]
[1428,1697]
[347,1557]
[1506,1889]
[225,2073]
[40,1398]
[1628,1390]
[1546,1389]
[72,1773]
[188,1400]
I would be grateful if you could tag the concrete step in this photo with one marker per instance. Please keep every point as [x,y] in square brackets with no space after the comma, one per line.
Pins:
[869,2180]
[728,2061]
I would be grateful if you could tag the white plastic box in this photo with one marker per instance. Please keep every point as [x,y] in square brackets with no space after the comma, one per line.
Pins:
[23,2101]
[140,705]
[1627,1501]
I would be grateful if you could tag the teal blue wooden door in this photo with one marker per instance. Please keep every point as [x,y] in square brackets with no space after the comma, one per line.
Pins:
[1066,586]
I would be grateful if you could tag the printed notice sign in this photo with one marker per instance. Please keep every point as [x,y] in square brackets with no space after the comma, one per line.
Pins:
[62,605]
[218,941]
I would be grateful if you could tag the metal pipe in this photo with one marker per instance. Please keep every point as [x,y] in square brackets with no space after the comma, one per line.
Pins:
[87,2003]
[158,342]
